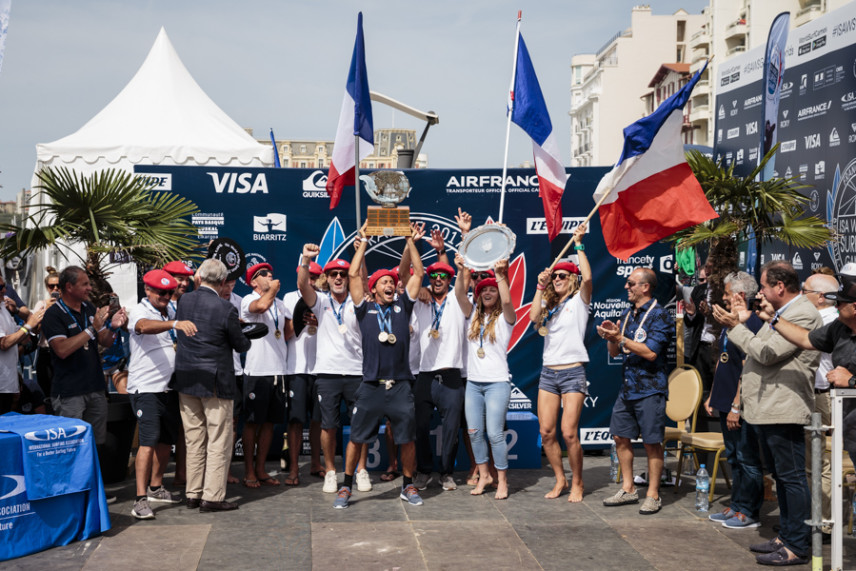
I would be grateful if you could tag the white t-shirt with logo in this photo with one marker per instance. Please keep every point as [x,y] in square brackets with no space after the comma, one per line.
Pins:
[337,353]
[8,358]
[493,368]
[267,355]
[301,348]
[566,333]
[446,351]
[152,356]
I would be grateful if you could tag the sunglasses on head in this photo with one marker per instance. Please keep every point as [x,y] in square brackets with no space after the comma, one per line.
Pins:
[337,274]
[441,275]
[559,276]
[480,275]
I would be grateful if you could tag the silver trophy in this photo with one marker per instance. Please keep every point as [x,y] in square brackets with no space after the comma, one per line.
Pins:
[387,188]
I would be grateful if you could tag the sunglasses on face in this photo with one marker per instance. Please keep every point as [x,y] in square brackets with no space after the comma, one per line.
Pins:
[338,274]
[162,292]
[263,273]
[53,286]
[441,275]
[559,276]
[630,283]
[480,275]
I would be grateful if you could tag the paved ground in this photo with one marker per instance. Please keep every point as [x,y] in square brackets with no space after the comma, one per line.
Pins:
[296,528]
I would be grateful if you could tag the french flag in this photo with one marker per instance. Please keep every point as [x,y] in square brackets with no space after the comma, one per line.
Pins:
[355,124]
[529,111]
[651,193]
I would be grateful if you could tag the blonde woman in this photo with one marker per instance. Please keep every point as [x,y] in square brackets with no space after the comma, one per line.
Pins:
[560,312]
[490,321]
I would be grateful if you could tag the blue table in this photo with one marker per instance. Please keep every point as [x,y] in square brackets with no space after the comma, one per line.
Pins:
[50,485]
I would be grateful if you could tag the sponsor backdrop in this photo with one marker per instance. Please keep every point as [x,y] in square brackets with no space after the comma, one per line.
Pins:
[816,128]
[271,213]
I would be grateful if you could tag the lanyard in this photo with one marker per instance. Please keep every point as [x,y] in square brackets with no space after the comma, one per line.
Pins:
[163,318]
[438,313]
[553,311]
[481,332]
[67,311]
[274,312]
[641,323]
[172,306]
[339,314]
[384,321]
[724,341]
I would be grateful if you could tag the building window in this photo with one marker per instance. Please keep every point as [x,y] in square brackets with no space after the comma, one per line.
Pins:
[302,149]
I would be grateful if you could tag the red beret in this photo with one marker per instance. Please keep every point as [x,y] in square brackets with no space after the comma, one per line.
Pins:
[314,268]
[568,267]
[338,264]
[487,282]
[256,268]
[177,268]
[440,267]
[160,279]
[379,274]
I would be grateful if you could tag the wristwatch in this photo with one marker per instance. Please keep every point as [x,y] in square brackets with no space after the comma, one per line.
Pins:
[851,382]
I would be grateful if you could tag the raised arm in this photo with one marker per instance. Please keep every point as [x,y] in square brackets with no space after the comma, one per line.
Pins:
[307,292]
[417,231]
[585,267]
[462,285]
[355,278]
[501,269]
[439,246]
[535,307]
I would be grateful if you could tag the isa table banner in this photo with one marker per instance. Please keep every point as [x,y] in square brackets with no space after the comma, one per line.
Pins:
[271,213]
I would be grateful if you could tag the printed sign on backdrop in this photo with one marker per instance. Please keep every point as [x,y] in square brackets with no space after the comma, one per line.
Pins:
[271,213]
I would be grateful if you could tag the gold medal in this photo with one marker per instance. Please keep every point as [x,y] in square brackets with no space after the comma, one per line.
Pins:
[343,328]
[391,339]
[86,347]
[542,331]
[480,353]
[382,336]
[411,329]
[277,333]
[434,333]
[723,358]
[311,330]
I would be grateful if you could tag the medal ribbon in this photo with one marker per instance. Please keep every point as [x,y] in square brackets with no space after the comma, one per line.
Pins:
[438,313]
[339,314]
[481,332]
[275,315]
[163,318]
[68,312]
[384,320]
[553,311]
[641,323]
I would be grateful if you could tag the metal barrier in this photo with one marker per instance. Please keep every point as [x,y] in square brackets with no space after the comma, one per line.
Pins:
[837,397]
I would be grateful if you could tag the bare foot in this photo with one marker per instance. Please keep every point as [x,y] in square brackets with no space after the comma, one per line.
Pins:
[576,495]
[557,490]
[501,491]
[483,483]
[232,479]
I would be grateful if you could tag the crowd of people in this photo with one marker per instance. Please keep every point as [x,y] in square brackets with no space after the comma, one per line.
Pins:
[393,352]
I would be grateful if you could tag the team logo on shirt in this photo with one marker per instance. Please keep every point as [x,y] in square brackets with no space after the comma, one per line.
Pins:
[139,413]
[252,396]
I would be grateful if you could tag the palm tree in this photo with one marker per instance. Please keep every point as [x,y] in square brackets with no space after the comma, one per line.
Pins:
[774,209]
[109,212]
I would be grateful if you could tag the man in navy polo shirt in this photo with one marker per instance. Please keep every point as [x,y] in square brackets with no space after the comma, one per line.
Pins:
[386,389]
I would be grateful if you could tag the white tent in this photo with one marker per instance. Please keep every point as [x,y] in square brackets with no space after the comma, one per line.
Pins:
[162,117]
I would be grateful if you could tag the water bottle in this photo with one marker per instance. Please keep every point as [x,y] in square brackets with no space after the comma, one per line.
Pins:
[702,487]
[689,464]
[613,463]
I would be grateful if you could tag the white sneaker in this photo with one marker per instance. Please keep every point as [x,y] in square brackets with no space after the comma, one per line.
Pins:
[448,482]
[331,486]
[364,483]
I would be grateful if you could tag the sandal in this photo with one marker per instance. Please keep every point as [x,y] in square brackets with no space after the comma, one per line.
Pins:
[270,481]
[389,475]
[292,481]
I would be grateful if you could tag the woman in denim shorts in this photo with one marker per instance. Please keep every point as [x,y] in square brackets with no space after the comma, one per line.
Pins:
[560,312]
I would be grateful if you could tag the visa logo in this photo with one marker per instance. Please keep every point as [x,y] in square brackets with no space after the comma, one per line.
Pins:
[234,183]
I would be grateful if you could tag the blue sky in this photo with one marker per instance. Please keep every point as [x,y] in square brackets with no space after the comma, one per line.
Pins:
[283,64]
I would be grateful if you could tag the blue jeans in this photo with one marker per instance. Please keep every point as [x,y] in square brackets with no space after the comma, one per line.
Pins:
[485,406]
[786,444]
[744,456]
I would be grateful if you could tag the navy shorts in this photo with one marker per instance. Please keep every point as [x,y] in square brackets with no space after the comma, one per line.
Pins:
[264,399]
[374,402]
[330,390]
[564,381]
[300,400]
[158,417]
[645,417]
[239,396]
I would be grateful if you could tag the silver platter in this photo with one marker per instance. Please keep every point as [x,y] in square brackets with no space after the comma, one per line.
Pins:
[486,245]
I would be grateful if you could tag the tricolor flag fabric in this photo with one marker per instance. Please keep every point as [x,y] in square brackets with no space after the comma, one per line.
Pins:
[529,111]
[355,124]
[652,192]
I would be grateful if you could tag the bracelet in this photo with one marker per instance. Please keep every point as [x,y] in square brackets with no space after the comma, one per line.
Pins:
[174,323]
[735,410]
[25,330]
[579,246]
[306,266]
[103,327]
[539,287]
[90,332]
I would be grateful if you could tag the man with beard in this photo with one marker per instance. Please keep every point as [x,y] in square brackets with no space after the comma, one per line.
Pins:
[339,357]
[386,387]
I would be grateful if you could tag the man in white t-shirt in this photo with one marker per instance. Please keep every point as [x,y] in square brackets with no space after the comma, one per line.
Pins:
[439,383]
[264,373]
[300,403]
[338,358]
[227,292]
[153,333]
[12,335]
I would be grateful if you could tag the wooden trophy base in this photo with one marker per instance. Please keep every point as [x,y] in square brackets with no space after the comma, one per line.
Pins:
[382,221]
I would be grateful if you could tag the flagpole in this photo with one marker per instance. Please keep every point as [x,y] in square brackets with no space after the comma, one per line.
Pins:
[357,178]
[510,109]
[585,221]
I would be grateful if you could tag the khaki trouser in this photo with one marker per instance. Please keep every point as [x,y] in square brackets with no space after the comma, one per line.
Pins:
[208,434]
[822,404]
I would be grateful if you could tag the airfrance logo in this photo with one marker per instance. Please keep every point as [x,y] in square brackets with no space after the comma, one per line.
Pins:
[315,185]
[235,183]
[49,434]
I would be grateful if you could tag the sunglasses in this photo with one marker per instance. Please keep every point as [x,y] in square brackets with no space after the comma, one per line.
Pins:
[441,275]
[480,275]
[337,274]
[811,291]
[162,292]
[262,273]
[53,286]
[630,283]
[559,276]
